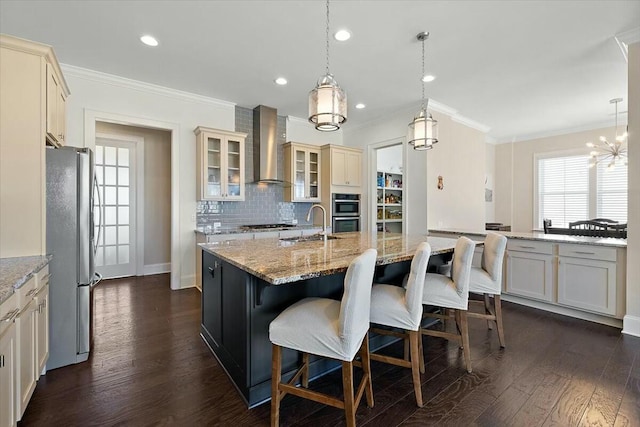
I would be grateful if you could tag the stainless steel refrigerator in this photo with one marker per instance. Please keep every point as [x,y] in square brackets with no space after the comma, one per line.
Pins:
[71,241]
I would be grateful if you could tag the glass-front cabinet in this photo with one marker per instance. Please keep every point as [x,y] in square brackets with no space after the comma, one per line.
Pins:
[220,164]
[302,172]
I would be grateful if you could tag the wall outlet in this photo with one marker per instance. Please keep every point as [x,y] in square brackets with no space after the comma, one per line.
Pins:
[294,222]
[217,225]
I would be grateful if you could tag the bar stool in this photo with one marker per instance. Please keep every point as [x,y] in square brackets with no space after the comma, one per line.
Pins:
[396,307]
[327,328]
[487,281]
[452,293]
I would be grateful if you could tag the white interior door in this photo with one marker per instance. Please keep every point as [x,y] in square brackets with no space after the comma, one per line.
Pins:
[115,173]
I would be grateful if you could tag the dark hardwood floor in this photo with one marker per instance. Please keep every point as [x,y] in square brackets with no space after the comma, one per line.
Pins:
[149,366]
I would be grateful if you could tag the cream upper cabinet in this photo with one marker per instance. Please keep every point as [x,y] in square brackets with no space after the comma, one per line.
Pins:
[56,108]
[346,166]
[302,172]
[220,164]
[33,93]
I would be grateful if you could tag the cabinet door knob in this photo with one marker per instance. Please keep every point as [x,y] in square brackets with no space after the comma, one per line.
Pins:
[212,272]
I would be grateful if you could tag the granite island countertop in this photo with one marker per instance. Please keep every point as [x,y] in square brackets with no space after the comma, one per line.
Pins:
[279,262]
[538,235]
[15,272]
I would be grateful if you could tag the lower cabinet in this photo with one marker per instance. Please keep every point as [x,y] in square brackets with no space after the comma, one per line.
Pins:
[530,269]
[26,361]
[579,276]
[7,362]
[24,345]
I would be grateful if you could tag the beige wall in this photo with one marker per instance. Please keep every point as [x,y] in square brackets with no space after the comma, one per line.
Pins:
[490,167]
[514,174]
[157,189]
[458,157]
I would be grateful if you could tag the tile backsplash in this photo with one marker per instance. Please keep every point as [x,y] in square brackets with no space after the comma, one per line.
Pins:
[263,202]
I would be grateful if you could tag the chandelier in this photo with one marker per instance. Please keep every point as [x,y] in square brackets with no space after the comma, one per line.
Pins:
[327,101]
[423,130]
[614,153]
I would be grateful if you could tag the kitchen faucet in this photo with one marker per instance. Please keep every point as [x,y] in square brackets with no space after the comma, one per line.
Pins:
[324,218]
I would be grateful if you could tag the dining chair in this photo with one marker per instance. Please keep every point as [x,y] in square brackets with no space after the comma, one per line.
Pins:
[487,281]
[397,307]
[327,328]
[452,292]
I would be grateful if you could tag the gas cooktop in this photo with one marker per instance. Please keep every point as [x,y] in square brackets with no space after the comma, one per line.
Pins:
[264,226]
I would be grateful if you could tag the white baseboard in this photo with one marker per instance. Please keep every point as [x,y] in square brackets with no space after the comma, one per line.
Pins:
[631,325]
[566,311]
[156,269]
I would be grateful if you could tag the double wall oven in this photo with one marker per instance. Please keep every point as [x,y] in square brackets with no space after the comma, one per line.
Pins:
[345,212]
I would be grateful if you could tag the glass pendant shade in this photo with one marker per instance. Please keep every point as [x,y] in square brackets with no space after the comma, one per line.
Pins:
[327,105]
[423,131]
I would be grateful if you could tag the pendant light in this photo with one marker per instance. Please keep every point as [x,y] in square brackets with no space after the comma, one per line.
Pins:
[423,130]
[613,153]
[327,101]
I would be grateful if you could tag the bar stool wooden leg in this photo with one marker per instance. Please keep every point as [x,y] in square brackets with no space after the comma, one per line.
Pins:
[414,336]
[366,367]
[276,360]
[421,352]
[406,349]
[464,331]
[305,372]
[498,304]
[487,309]
[347,385]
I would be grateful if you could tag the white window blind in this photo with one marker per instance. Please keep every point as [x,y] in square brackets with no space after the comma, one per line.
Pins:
[612,192]
[563,189]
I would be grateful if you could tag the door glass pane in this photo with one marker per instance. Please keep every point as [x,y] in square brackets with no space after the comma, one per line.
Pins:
[123,234]
[123,157]
[110,195]
[123,254]
[123,176]
[110,255]
[99,154]
[110,175]
[110,235]
[99,173]
[123,215]
[110,155]
[123,196]
[300,174]
[110,215]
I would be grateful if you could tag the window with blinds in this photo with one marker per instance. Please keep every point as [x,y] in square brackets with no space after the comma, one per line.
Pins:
[563,189]
[612,192]
[569,190]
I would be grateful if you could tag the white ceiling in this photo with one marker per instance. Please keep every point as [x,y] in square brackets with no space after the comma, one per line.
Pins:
[523,68]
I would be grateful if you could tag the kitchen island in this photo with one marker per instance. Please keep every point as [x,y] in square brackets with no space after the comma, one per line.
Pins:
[246,284]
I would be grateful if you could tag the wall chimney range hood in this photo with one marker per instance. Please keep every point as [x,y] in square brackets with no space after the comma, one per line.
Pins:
[265,145]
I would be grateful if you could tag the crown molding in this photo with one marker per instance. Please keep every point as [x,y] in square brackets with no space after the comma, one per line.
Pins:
[123,82]
[626,38]
[558,132]
[471,123]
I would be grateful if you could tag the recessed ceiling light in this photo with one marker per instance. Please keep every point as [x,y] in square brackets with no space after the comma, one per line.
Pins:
[428,78]
[360,106]
[281,81]
[342,35]
[149,40]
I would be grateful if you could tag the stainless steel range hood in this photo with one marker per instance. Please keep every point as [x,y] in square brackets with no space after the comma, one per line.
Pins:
[265,145]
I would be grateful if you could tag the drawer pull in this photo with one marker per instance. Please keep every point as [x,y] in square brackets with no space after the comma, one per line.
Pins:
[527,247]
[9,317]
[212,272]
[584,253]
[31,292]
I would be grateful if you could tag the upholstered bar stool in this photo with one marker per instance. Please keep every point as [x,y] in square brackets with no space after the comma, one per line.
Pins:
[396,307]
[327,328]
[452,293]
[487,281]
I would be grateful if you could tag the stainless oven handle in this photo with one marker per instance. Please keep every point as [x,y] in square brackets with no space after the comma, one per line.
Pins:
[348,218]
[346,200]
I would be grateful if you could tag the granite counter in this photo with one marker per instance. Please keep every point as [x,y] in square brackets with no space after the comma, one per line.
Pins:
[537,235]
[15,272]
[277,262]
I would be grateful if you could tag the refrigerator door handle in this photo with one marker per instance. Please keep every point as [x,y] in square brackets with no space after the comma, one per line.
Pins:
[98,279]
[97,241]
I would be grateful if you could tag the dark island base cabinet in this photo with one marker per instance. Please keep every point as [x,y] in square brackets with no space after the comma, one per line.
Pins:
[237,309]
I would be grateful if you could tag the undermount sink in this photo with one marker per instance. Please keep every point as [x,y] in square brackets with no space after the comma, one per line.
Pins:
[312,238]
